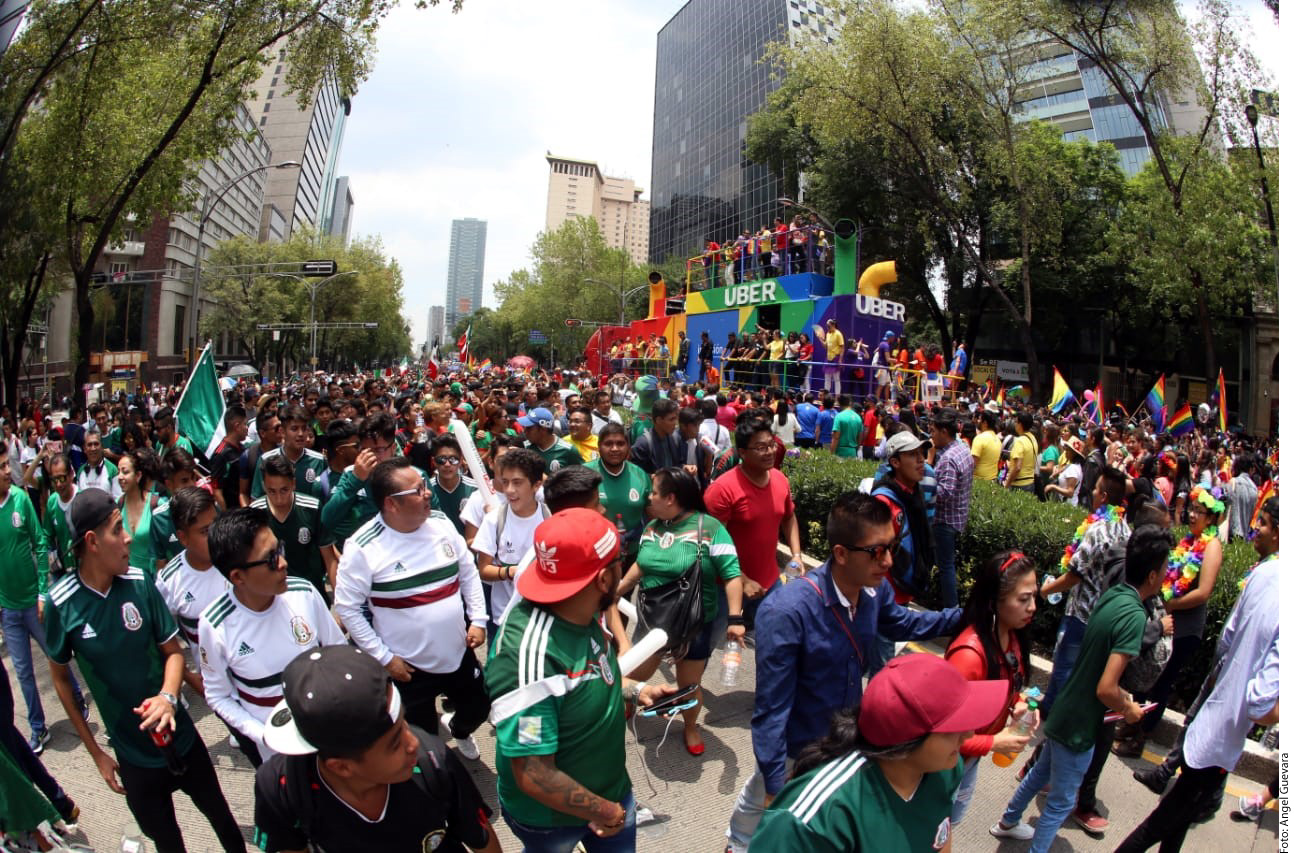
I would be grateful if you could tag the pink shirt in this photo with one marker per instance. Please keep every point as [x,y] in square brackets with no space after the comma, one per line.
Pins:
[753,517]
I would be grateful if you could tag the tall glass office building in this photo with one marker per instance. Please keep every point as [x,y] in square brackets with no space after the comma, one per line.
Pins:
[709,80]
[466,272]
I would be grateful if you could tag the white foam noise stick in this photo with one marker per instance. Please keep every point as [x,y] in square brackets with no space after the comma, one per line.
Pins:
[643,649]
[467,447]
[630,614]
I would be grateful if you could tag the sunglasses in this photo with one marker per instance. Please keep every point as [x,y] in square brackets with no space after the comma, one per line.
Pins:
[445,460]
[875,551]
[271,560]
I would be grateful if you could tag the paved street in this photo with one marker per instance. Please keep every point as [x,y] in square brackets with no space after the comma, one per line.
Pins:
[693,795]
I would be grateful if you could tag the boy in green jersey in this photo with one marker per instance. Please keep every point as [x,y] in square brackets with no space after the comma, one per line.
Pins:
[558,696]
[112,619]
[58,532]
[294,519]
[884,780]
[624,490]
[450,487]
[307,464]
[179,471]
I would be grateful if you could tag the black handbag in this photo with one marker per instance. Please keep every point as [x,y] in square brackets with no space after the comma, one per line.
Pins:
[677,608]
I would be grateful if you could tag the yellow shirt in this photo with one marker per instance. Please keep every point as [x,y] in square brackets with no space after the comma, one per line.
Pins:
[987,450]
[588,448]
[835,344]
[776,347]
[1025,449]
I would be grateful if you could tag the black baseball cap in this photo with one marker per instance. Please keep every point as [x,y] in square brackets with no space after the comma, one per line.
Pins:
[90,508]
[334,701]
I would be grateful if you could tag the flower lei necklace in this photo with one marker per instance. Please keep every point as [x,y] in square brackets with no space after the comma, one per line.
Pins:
[1184,563]
[1105,513]
[1244,580]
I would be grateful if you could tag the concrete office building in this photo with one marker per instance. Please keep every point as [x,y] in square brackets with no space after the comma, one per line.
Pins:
[435,327]
[578,188]
[310,136]
[466,270]
[337,223]
[709,81]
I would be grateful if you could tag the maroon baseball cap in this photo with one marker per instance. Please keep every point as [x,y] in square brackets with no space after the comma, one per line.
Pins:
[920,694]
[570,548]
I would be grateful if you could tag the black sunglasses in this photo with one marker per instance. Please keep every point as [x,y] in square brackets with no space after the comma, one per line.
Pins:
[272,560]
[875,551]
[445,460]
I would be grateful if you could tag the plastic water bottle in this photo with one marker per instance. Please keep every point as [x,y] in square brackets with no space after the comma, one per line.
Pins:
[731,663]
[1023,726]
[620,531]
[794,569]
[132,840]
[1055,597]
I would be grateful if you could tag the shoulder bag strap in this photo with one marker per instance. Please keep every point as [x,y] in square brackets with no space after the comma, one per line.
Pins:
[848,634]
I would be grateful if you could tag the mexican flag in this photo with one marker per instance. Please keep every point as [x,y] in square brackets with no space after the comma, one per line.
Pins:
[200,414]
[465,343]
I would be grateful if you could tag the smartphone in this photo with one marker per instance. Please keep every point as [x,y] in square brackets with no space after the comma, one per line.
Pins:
[1115,716]
[674,703]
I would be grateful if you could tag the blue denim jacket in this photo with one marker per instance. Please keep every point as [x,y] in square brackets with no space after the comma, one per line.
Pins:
[806,668]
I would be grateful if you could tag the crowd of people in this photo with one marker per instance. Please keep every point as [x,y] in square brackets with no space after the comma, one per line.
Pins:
[362,563]
[783,248]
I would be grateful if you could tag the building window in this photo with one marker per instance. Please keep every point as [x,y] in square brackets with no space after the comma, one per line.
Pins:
[177,333]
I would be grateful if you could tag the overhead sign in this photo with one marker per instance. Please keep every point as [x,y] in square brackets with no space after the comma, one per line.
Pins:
[318,269]
[1014,371]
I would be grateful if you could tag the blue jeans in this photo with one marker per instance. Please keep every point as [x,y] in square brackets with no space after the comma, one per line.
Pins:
[945,536]
[1068,640]
[961,800]
[562,839]
[1063,769]
[20,628]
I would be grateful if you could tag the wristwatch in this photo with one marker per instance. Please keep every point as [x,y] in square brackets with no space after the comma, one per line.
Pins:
[169,697]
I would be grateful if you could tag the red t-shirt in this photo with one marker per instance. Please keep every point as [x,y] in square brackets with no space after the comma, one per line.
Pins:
[753,517]
[779,240]
[869,427]
[726,416]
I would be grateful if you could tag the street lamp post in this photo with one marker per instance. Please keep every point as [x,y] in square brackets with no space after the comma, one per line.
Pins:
[620,292]
[207,210]
[314,291]
[1251,113]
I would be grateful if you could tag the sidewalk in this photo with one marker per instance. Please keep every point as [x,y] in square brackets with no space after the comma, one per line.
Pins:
[692,796]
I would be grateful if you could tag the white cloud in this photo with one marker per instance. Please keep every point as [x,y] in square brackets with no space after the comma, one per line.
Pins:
[460,109]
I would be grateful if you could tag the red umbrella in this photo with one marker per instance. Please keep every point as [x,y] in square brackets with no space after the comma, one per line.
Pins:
[521,362]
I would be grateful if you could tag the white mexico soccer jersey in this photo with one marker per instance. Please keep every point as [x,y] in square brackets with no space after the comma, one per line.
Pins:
[243,653]
[187,592]
[416,585]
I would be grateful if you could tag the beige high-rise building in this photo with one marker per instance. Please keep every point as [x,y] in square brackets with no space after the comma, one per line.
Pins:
[578,188]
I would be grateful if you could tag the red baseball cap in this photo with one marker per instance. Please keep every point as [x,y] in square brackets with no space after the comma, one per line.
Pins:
[920,694]
[570,548]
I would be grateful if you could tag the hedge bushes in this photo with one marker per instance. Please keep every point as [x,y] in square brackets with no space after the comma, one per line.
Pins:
[999,520]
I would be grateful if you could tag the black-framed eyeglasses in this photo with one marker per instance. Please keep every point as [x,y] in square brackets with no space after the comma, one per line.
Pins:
[445,460]
[875,551]
[271,560]
[420,489]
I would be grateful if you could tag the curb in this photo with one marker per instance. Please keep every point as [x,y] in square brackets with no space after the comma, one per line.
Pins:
[1257,763]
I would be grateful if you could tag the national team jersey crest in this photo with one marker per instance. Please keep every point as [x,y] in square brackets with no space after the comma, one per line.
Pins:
[942,834]
[16,520]
[130,616]
[301,631]
[634,495]
[433,840]
[311,475]
[303,535]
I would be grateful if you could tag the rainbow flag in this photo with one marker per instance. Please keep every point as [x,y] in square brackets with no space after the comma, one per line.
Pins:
[1098,406]
[1220,397]
[1123,409]
[1155,402]
[485,365]
[1182,422]
[1018,391]
[1001,395]
[1267,491]
[1060,393]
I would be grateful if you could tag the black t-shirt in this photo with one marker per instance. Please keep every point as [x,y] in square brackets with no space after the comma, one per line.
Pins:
[441,811]
[225,471]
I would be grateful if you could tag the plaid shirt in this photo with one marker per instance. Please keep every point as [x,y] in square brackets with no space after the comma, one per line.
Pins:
[953,472]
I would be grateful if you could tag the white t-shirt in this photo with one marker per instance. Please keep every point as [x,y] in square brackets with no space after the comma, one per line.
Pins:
[475,507]
[506,548]
[243,653]
[187,592]
[1072,473]
[717,433]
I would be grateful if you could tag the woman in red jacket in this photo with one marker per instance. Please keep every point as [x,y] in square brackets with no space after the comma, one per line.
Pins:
[994,644]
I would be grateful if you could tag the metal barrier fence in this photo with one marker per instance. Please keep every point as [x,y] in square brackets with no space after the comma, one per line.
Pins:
[854,379]
[796,250]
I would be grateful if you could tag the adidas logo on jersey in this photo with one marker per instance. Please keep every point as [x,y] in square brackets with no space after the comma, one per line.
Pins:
[87,633]
[244,650]
[188,596]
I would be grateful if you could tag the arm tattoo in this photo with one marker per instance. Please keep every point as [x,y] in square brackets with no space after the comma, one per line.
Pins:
[559,791]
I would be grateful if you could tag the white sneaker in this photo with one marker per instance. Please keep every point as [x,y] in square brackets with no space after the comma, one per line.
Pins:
[1020,832]
[466,745]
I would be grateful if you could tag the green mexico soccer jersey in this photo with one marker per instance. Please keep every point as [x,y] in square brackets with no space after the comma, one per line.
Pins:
[555,690]
[165,545]
[625,495]
[309,467]
[302,535]
[847,804]
[23,564]
[180,441]
[58,532]
[451,502]
[668,549]
[115,639]
[558,455]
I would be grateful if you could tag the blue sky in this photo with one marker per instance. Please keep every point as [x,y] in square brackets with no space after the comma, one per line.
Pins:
[460,109]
